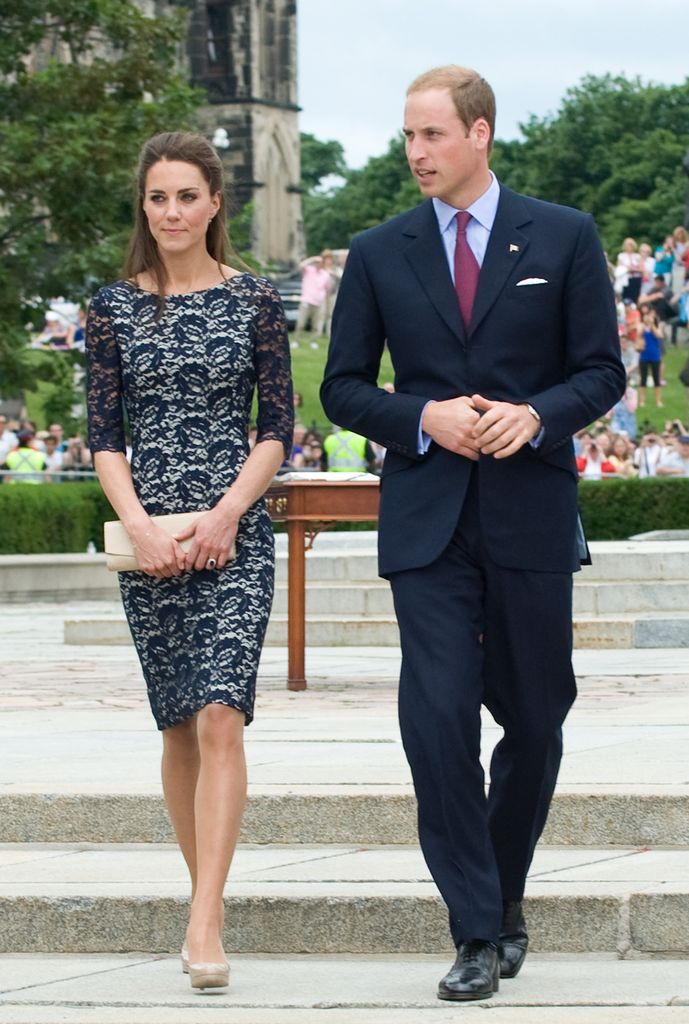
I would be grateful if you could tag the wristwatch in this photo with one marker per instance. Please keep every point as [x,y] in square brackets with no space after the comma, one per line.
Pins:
[532,411]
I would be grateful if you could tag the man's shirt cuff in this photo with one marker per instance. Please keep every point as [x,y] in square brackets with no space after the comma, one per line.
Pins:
[423,442]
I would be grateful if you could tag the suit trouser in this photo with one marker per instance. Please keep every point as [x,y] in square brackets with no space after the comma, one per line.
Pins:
[472,633]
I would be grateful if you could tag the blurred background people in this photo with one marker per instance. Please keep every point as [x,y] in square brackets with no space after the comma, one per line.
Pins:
[629,271]
[347,452]
[650,357]
[25,462]
[674,459]
[315,285]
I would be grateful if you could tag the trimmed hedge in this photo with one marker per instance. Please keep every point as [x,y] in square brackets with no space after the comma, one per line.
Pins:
[53,518]
[617,509]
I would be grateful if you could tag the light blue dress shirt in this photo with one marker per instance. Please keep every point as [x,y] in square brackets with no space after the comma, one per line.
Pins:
[482,211]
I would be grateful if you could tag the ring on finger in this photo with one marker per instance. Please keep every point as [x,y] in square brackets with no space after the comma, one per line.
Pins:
[211,563]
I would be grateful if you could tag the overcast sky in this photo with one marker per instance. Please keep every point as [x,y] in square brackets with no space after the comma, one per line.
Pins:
[356,57]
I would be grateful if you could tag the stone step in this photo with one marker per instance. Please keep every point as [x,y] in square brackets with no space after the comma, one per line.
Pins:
[71,577]
[332,814]
[374,597]
[345,597]
[621,631]
[338,630]
[631,630]
[644,561]
[149,989]
[624,596]
[330,899]
[321,631]
[333,564]
[612,561]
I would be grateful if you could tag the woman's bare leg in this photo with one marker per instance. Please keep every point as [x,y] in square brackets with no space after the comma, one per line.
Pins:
[180,769]
[219,805]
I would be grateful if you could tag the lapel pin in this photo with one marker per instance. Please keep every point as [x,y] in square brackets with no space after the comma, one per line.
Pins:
[513,247]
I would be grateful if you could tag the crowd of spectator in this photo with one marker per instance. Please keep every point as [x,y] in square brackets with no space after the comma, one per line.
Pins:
[652,292]
[601,453]
[64,327]
[637,267]
[28,455]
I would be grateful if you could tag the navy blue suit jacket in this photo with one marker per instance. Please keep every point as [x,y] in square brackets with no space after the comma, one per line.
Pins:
[554,345]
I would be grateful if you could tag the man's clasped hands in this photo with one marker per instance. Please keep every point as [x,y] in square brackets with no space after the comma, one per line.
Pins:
[473,426]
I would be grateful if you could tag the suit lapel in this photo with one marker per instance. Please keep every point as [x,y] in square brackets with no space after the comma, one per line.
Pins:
[426,255]
[506,246]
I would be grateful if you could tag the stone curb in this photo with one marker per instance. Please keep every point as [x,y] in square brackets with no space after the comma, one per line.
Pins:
[326,1014]
[618,632]
[641,922]
[599,819]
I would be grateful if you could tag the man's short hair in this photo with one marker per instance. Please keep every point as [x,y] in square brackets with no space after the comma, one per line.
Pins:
[471,94]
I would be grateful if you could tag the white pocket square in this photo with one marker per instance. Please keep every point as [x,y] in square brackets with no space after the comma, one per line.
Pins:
[531,280]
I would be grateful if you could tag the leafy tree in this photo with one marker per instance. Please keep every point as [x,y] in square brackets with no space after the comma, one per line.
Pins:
[82,84]
[319,160]
[370,195]
[615,149]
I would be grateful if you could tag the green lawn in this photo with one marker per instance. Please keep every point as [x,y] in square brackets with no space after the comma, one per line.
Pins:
[34,403]
[675,405]
[307,372]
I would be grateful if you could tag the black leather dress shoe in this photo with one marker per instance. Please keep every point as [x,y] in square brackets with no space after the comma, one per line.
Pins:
[514,940]
[475,974]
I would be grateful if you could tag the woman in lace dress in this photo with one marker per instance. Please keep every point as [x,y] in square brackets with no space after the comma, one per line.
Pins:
[181,344]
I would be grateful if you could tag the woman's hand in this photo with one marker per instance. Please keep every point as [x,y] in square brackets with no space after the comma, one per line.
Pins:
[213,535]
[157,553]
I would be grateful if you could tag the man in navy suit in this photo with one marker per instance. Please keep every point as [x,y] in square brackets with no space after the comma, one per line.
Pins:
[500,321]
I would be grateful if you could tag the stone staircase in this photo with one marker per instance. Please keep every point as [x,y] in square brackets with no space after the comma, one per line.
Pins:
[328,863]
[635,595]
[332,873]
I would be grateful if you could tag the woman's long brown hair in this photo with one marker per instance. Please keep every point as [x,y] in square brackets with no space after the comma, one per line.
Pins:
[142,253]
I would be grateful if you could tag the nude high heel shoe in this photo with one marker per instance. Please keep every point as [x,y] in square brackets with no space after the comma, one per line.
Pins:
[209,975]
[185,958]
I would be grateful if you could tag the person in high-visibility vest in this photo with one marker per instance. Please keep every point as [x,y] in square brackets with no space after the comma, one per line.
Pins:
[24,461]
[347,452]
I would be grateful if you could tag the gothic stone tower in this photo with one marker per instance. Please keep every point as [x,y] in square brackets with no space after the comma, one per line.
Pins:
[243,53]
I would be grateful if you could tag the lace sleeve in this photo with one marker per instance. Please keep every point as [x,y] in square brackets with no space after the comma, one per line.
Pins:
[103,380]
[272,362]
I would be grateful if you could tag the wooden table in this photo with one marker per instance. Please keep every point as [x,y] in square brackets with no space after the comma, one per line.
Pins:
[309,506]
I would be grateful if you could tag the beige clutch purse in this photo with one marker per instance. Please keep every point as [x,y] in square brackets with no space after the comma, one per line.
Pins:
[119,553]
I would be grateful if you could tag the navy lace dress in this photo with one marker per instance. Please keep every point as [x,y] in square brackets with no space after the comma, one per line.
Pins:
[187,380]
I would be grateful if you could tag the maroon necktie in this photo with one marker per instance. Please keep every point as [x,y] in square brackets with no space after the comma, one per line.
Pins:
[466,269]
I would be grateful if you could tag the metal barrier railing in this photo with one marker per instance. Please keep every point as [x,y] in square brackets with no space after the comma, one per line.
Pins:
[46,476]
